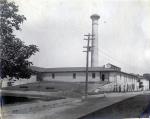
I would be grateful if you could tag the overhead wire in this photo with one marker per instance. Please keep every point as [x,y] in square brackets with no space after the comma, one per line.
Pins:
[106,54]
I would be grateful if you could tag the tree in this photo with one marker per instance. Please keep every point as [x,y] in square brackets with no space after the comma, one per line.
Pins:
[147,76]
[14,53]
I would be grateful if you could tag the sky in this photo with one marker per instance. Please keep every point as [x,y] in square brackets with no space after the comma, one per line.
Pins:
[57,27]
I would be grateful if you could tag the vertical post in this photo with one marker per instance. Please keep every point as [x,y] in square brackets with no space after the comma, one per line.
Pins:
[87,69]
[0,43]
[87,62]
[1,100]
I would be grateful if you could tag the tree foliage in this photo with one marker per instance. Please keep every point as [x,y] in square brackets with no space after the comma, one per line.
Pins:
[14,52]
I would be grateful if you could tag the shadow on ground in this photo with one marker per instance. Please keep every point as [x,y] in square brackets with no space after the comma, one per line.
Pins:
[135,107]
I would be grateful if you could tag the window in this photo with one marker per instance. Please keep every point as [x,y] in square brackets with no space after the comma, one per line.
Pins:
[74,75]
[53,75]
[93,75]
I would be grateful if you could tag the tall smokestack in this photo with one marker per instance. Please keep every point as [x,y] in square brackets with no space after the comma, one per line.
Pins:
[94,52]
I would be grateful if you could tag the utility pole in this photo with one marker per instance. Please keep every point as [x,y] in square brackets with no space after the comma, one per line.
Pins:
[88,47]
[1,101]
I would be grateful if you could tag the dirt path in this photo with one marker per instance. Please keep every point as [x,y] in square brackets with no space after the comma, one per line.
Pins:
[72,110]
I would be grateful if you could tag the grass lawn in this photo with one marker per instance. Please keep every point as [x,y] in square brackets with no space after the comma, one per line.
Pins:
[69,89]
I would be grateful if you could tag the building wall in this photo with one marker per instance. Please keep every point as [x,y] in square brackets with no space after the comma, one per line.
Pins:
[126,82]
[145,84]
[79,76]
[122,82]
[113,81]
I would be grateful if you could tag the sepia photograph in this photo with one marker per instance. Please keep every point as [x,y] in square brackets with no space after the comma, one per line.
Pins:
[74,59]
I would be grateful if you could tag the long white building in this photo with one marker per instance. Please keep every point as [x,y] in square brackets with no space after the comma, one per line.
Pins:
[107,78]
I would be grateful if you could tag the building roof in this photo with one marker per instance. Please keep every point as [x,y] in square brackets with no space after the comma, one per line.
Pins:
[113,66]
[142,77]
[77,69]
[69,69]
